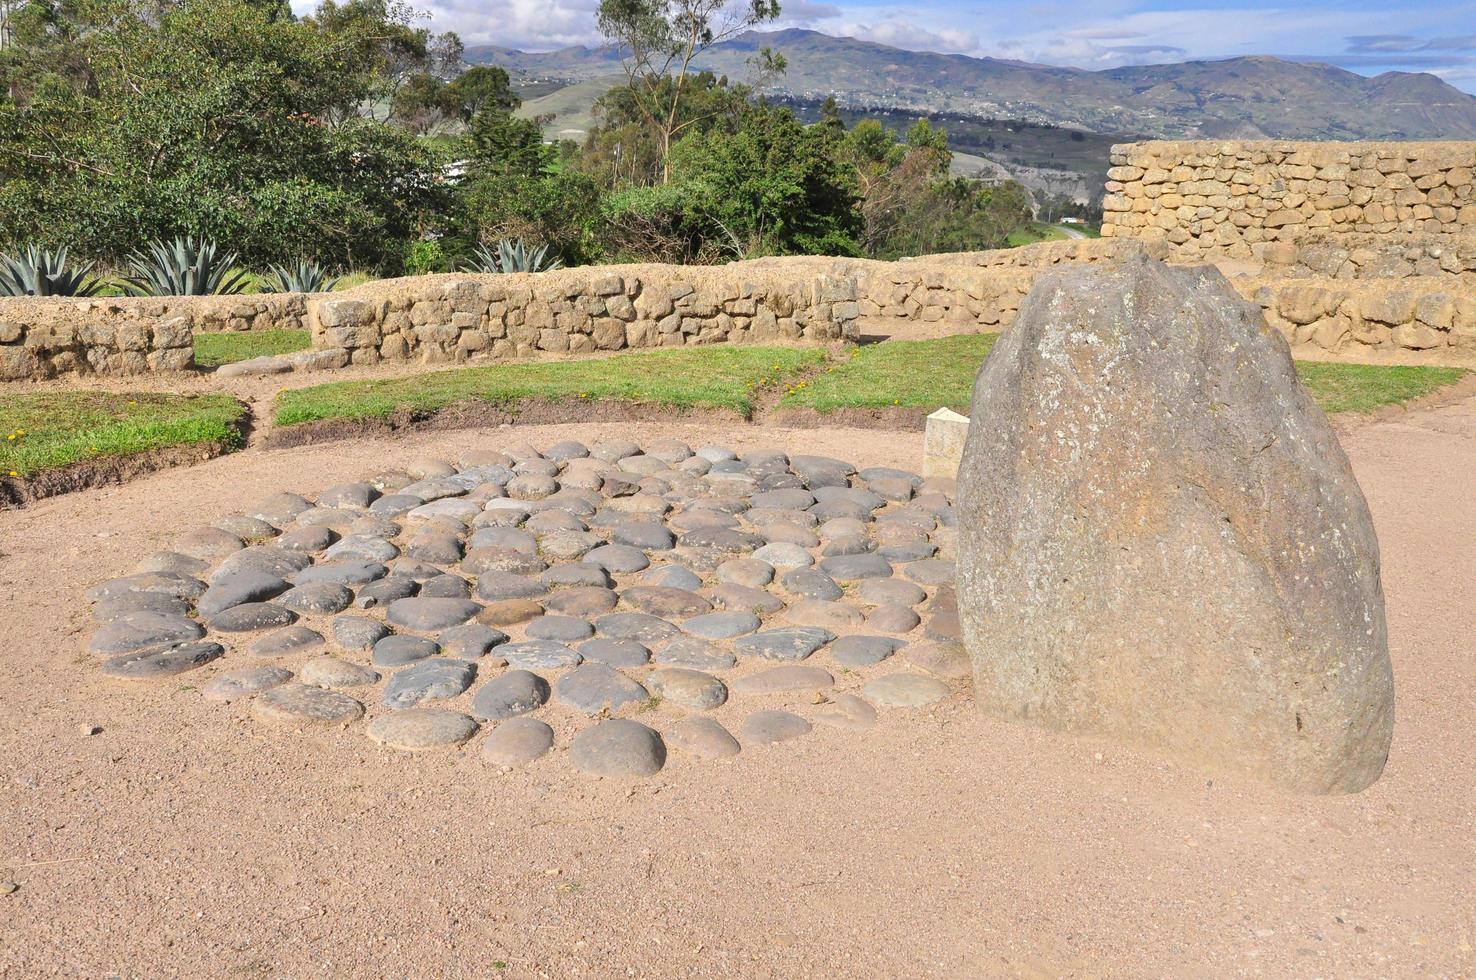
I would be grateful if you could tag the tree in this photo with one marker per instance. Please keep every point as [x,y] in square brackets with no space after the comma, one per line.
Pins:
[775,187]
[500,143]
[658,39]
[624,150]
[401,50]
[422,103]
[482,87]
[518,186]
[910,206]
[132,120]
[830,116]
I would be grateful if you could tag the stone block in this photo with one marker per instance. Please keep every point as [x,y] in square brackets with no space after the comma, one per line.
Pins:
[169,359]
[173,331]
[344,312]
[17,364]
[944,434]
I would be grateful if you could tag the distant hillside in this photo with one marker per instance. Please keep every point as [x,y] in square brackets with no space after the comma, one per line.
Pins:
[1238,97]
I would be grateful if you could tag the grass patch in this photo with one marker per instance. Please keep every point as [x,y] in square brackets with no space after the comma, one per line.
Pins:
[45,431]
[215,349]
[708,377]
[900,373]
[1035,232]
[933,373]
[1365,387]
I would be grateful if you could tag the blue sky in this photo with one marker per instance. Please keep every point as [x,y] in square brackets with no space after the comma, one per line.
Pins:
[1368,37]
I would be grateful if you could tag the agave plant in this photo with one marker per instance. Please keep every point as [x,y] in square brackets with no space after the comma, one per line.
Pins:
[38,271]
[302,276]
[513,255]
[184,267]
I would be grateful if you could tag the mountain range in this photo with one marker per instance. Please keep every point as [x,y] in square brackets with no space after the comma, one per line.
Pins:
[1240,98]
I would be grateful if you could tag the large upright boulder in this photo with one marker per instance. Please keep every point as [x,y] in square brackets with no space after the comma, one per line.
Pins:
[1161,540]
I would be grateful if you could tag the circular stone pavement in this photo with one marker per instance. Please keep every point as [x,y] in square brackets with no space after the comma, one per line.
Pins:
[518,607]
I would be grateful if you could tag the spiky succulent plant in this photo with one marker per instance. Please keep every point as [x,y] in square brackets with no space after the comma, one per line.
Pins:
[301,276]
[37,271]
[187,266]
[513,255]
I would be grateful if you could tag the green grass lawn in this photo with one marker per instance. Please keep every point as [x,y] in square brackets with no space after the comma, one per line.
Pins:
[1365,387]
[1035,232]
[900,373]
[44,431]
[215,349]
[933,373]
[707,377]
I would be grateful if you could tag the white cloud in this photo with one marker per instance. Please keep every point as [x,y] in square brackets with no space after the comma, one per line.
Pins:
[530,24]
[1104,34]
[906,34]
[806,13]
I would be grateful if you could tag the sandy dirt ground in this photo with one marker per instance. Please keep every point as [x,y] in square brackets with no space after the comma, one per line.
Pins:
[184,840]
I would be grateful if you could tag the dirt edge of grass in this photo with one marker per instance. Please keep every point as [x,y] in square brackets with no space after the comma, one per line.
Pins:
[88,474]
[1345,422]
[909,419]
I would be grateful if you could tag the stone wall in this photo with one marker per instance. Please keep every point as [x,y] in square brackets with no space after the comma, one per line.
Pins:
[1238,199]
[1383,257]
[967,291]
[43,338]
[1346,287]
[583,310]
[1429,316]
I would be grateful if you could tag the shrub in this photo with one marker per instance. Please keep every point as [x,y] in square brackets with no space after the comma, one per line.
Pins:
[302,276]
[423,256]
[184,267]
[512,255]
[38,271]
[654,224]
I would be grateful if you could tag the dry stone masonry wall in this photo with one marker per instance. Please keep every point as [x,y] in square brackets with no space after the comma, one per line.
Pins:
[1209,198]
[43,338]
[1362,250]
[580,311]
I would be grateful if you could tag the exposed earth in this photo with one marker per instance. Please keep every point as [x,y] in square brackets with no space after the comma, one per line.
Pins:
[151,830]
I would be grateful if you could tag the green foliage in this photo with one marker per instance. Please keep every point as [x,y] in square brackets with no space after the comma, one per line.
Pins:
[500,144]
[330,137]
[654,224]
[482,87]
[658,40]
[38,271]
[517,188]
[424,256]
[626,150]
[512,255]
[422,102]
[129,121]
[301,276]
[909,204]
[186,266]
[774,186]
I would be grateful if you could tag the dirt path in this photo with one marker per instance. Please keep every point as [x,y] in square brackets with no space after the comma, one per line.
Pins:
[184,840]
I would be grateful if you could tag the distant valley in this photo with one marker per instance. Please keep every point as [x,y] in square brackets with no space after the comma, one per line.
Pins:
[1047,126]
[1238,97]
